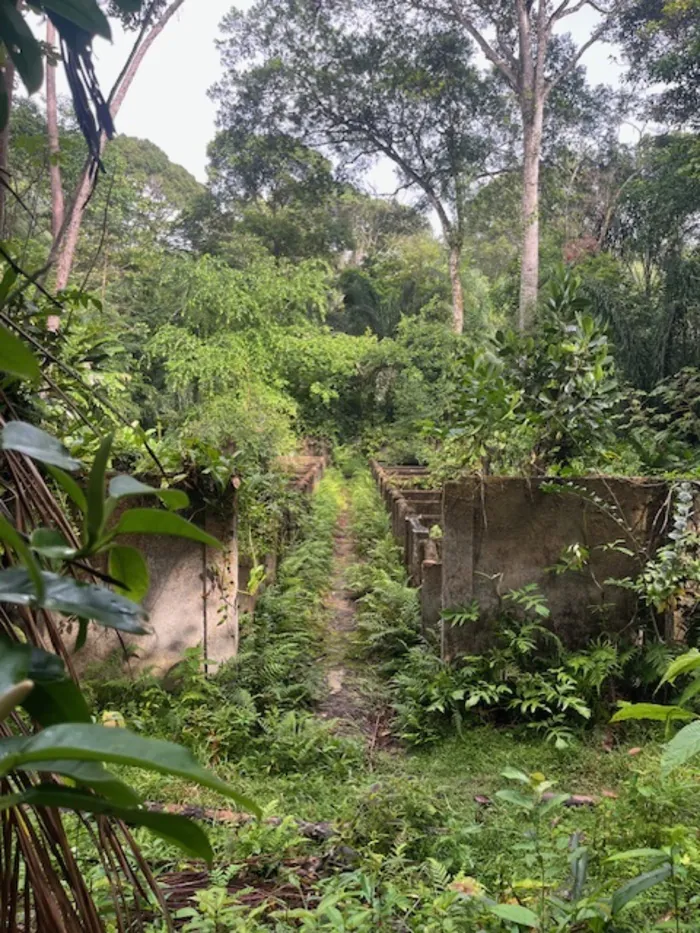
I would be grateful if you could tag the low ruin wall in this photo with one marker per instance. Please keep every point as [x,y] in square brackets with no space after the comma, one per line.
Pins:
[197,594]
[503,533]
[414,512]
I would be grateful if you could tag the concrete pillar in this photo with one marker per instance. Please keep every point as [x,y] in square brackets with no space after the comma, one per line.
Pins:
[399,513]
[431,597]
[416,536]
[458,515]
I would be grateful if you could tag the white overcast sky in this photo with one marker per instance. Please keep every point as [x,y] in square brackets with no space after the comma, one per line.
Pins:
[168,101]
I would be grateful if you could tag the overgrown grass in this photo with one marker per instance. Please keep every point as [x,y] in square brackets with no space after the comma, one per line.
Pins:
[419,837]
[257,709]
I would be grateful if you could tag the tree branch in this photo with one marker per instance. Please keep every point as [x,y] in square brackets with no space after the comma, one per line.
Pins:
[468,22]
[576,58]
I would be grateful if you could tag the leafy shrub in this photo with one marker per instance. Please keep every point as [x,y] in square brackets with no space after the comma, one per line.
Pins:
[543,403]
[388,612]
[527,677]
[299,742]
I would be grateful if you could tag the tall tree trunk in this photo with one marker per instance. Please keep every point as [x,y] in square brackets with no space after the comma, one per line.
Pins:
[457,291]
[57,198]
[66,243]
[8,76]
[530,264]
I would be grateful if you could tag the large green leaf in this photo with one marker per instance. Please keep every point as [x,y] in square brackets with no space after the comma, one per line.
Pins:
[93,775]
[682,747]
[14,664]
[127,565]
[6,283]
[158,522]
[630,854]
[174,829]
[70,487]
[123,485]
[56,702]
[18,661]
[23,48]
[690,661]
[515,774]
[515,913]
[113,746]
[23,438]
[85,13]
[55,697]
[16,358]
[96,491]
[66,595]
[44,666]
[624,895]
[10,535]
[512,796]
[50,543]
[657,712]
[690,692]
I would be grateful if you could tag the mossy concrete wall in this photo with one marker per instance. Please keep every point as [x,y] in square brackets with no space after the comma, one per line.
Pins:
[197,594]
[194,600]
[502,533]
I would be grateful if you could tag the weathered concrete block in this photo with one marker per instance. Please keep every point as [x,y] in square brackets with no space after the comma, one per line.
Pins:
[416,535]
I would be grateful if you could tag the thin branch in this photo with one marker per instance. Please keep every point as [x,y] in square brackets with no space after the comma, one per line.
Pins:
[132,54]
[564,10]
[468,22]
[68,370]
[565,72]
[103,234]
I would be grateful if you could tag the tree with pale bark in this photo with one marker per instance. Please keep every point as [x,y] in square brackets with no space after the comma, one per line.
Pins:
[517,38]
[366,85]
[149,23]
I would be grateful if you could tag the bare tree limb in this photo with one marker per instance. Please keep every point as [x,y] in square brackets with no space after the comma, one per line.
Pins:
[468,22]
[64,246]
[8,80]
[576,58]
[57,198]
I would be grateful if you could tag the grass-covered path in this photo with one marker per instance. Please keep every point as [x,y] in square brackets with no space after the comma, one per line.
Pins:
[359,836]
[350,698]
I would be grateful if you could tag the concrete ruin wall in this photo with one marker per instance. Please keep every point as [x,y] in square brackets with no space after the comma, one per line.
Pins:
[414,512]
[502,533]
[197,594]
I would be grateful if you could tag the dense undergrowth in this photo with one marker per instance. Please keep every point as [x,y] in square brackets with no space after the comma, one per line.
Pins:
[528,678]
[255,710]
[434,839]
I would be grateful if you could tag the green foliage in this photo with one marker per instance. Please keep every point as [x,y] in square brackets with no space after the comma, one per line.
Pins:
[662,40]
[527,677]
[685,745]
[546,402]
[68,743]
[669,580]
